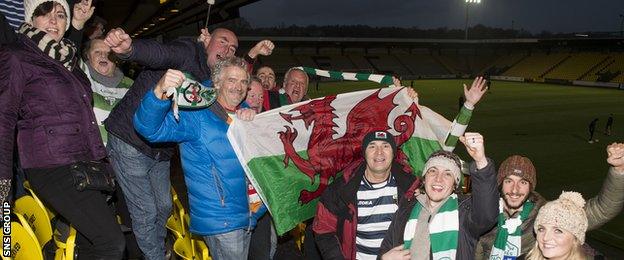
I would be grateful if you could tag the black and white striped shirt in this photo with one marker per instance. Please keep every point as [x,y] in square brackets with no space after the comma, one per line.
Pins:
[376,206]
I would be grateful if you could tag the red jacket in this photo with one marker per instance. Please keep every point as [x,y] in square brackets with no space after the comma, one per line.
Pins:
[335,223]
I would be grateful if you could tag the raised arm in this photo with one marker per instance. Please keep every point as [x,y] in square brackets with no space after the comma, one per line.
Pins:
[460,123]
[154,120]
[608,203]
[485,195]
[151,53]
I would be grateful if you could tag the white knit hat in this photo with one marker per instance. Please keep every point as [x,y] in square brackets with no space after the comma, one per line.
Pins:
[31,5]
[567,212]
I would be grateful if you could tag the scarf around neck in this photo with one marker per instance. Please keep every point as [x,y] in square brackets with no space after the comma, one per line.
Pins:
[508,242]
[107,81]
[443,229]
[63,51]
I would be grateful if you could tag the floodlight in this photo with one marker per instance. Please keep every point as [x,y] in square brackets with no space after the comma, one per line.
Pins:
[473,1]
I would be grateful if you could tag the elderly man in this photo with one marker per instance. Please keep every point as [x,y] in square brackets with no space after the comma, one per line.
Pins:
[295,87]
[442,223]
[142,167]
[215,178]
[519,204]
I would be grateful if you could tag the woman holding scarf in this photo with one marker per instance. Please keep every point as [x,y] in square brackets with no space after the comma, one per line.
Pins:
[46,112]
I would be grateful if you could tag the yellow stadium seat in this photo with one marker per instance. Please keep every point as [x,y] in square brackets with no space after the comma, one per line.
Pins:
[36,216]
[51,213]
[24,244]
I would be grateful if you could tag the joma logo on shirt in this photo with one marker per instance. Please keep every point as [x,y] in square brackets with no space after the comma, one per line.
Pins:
[365,202]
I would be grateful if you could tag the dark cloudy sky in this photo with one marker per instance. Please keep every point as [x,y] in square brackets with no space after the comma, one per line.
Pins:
[532,15]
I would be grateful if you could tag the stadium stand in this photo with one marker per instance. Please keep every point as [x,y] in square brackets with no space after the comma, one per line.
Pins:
[536,65]
[577,65]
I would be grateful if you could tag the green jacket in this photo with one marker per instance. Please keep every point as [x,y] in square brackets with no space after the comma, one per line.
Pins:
[600,209]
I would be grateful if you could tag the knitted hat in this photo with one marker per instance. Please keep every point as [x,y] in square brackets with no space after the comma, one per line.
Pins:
[567,213]
[379,136]
[519,166]
[31,5]
[447,160]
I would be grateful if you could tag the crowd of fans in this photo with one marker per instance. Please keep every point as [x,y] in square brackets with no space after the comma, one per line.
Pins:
[61,109]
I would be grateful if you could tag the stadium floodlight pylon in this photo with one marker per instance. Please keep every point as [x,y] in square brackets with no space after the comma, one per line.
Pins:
[468,2]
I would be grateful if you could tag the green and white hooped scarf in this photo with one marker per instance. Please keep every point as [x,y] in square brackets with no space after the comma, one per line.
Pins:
[508,242]
[443,229]
[382,79]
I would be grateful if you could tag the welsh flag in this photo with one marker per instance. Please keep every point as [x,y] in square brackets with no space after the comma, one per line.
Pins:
[292,153]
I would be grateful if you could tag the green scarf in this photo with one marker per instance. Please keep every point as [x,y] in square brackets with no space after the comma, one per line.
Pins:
[443,229]
[508,240]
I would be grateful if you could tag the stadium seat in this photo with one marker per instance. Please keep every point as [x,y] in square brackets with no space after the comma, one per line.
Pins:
[24,244]
[37,213]
[36,216]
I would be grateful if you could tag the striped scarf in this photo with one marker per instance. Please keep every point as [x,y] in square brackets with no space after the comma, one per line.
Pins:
[382,79]
[508,242]
[443,229]
[63,51]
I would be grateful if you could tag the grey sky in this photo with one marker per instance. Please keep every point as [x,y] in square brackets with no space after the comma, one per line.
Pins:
[532,15]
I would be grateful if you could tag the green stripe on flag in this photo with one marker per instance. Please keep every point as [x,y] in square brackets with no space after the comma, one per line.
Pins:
[282,187]
[417,151]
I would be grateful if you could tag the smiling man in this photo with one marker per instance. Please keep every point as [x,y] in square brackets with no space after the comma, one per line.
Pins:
[216,182]
[361,204]
[442,223]
[520,203]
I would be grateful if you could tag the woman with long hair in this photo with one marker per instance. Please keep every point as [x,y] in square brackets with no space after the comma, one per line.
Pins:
[560,229]
[46,112]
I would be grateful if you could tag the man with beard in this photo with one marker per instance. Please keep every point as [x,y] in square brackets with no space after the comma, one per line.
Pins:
[519,204]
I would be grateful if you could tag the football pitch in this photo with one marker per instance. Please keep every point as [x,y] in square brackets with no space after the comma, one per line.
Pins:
[547,123]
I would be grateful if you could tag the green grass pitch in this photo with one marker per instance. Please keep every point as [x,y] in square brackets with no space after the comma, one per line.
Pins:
[547,123]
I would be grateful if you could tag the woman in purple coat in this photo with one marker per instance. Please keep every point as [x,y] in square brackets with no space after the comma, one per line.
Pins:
[46,113]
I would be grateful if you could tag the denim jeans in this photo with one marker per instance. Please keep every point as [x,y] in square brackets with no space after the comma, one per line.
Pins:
[146,186]
[233,245]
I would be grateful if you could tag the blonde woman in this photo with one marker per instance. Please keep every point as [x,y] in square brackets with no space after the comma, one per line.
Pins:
[560,229]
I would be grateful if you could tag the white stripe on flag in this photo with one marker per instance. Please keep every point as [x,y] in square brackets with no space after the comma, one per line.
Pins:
[444,221]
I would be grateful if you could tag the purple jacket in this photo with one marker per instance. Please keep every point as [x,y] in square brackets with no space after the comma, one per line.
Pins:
[49,106]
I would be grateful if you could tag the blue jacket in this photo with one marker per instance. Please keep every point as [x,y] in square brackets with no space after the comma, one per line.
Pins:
[215,179]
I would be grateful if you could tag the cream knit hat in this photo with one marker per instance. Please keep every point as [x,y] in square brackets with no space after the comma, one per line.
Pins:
[447,160]
[567,213]
[31,5]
